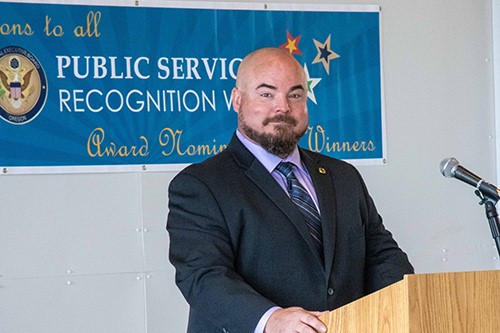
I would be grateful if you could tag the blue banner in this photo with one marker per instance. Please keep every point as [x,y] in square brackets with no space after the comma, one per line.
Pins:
[113,86]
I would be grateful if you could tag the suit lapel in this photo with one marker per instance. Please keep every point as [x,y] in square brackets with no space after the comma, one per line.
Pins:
[276,194]
[323,185]
[256,172]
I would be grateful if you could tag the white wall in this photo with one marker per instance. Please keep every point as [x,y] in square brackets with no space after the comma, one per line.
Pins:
[88,252]
[496,62]
[439,103]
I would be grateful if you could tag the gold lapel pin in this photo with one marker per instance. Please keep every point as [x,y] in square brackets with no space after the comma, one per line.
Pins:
[322,170]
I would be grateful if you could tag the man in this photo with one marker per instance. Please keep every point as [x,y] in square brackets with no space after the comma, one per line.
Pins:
[248,258]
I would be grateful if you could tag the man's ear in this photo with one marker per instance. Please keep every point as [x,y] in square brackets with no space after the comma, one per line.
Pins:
[236,99]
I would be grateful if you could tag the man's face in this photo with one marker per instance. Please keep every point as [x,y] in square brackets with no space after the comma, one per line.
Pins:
[271,103]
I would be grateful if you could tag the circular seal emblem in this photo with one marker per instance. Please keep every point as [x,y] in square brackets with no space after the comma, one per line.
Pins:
[23,85]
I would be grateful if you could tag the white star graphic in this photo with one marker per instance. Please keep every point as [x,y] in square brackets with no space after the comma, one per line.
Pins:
[311,83]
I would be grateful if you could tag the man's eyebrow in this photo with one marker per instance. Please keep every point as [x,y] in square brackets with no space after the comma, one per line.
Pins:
[265,85]
[269,86]
[297,87]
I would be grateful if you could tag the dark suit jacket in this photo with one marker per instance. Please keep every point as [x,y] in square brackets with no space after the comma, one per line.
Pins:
[240,246]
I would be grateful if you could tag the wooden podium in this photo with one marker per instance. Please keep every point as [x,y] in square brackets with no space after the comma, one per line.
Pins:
[434,303]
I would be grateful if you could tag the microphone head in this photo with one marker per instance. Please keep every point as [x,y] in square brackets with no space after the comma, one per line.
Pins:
[448,166]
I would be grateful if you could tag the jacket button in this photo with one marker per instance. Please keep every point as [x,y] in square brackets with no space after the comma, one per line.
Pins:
[330,291]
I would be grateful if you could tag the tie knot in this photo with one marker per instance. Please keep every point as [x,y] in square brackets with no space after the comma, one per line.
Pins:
[285,168]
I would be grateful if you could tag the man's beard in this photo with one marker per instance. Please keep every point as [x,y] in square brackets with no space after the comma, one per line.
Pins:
[282,142]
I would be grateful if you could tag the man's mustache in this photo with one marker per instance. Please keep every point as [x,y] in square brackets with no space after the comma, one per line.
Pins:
[280,118]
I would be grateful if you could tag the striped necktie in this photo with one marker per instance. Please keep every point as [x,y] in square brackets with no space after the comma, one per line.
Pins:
[301,198]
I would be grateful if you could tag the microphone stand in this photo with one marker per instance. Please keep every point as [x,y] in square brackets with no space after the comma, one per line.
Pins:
[492,215]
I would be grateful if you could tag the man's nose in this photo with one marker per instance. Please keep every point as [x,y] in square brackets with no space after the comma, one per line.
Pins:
[282,104]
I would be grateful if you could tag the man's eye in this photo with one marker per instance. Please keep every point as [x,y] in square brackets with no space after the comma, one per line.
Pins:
[265,95]
[296,96]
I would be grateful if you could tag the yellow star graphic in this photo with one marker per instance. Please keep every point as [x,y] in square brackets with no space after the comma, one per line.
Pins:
[325,54]
[292,44]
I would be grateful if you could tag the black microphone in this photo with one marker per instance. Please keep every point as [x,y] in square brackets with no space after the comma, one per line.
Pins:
[450,167]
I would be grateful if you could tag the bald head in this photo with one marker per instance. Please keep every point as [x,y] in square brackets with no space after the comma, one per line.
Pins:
[262,60]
